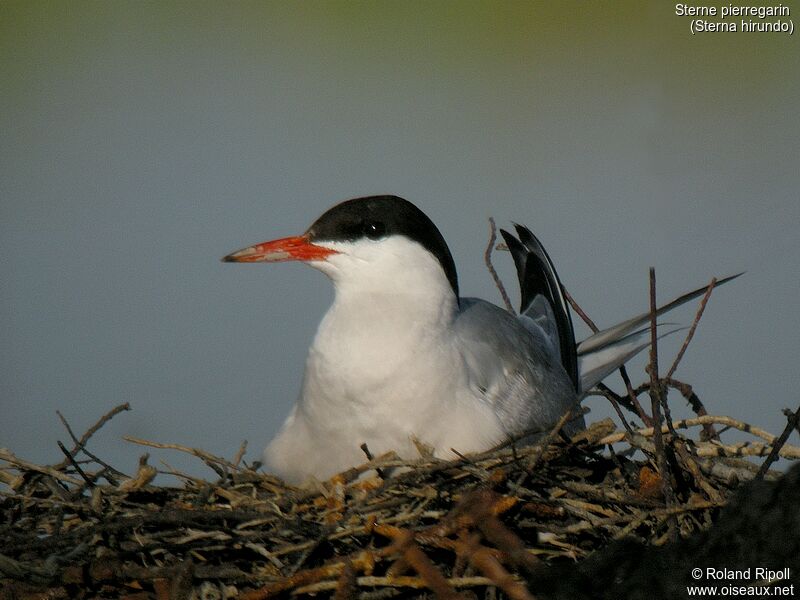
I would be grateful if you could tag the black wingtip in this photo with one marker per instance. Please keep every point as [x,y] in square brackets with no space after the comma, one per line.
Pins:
[730,278]
[525,234]
[506,235]
[516,248]
[538,277]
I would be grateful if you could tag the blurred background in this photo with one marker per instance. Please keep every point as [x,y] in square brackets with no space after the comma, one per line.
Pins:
[142,141]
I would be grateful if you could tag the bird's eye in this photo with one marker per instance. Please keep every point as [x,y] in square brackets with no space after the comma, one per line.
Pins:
[374,229]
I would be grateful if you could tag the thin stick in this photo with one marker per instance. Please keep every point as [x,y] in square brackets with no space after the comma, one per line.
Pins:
[745,449]
[240,453]
[640,517]
[690,335]
[484,561]
[66,425]
[656,401]
[697,406]
[687,423]
[102,421]
[92,430]
[82,448]
[28,466]
[365,449]
[487,258]
[787,413]
[622,418]
[579,311]
[691,398]
[694,469]
[652,369]
[418,560]
[622,371]
[206,457]
[75,464]
[791,422]
[544,444]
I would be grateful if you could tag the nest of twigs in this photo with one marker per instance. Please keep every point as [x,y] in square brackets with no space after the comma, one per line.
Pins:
[482,526]
[485,522]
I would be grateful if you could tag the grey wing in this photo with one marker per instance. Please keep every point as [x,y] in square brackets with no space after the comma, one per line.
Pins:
[515,367]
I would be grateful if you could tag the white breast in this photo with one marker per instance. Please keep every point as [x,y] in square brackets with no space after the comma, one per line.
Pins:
[384,367]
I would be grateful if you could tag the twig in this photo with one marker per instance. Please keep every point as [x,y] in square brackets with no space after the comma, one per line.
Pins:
[82,448]
[687,423]
[91,431]
[622,418]
[55,474]
[787,413]
[75,465]
[634,407]
[71,433]
[579,311]
[496,532]
[487,258]
[641,517]
[692,467]
[103,420]
[745,449]
[656,401]
[303,578]
[365,449]
[709,433]
[646,419]
[545,443]
[484,560]
[791,423]
[312,547]
[714,448]
[206,457]
[616,400]
[691,398]
[690,334]
[404,544]
[237,459]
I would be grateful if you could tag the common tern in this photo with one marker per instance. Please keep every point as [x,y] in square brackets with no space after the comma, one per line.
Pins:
[400,358]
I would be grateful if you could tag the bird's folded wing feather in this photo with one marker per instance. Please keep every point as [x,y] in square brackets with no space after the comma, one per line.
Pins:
[512,366]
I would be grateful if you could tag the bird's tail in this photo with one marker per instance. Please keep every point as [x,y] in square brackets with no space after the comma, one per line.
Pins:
[602,353]
[544,303]
[542,297]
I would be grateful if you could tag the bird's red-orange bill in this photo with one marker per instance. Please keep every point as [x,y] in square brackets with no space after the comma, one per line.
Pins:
[290,248]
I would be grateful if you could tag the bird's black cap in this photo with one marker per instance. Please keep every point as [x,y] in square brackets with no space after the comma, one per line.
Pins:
[376,217]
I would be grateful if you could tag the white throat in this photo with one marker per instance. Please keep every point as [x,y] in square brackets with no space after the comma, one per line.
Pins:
[395,265]
[392,300]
